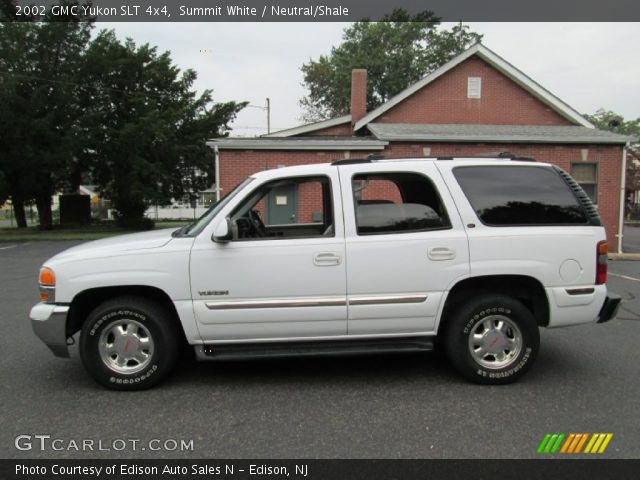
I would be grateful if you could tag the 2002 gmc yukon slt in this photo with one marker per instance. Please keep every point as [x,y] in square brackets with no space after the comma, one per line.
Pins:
[477,254]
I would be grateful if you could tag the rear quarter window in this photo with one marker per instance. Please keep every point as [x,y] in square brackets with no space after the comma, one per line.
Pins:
[515,195]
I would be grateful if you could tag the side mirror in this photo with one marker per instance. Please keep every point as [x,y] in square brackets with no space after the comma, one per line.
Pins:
[223,232]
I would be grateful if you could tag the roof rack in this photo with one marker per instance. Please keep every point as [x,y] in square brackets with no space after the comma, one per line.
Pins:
[377,156]
[351,161]
[368,159]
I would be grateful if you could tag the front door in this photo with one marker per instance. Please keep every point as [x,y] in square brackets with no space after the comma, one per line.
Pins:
[271,283]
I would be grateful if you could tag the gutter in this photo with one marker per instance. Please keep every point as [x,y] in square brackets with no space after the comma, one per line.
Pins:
[623,181]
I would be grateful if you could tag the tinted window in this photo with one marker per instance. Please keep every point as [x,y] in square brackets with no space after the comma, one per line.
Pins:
[396,203]
[519,196]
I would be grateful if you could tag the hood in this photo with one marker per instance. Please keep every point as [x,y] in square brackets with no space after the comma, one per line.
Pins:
[118,244]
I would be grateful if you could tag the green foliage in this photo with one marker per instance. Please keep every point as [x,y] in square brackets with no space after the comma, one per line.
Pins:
[39,65]
[121,115]
[147,143]
[396,53]
[614,122]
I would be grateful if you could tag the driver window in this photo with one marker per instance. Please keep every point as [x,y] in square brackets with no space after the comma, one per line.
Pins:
[298,207]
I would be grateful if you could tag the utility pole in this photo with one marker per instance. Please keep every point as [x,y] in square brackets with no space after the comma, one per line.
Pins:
[268,115]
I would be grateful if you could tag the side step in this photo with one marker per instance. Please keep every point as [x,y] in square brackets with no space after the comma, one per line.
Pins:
[242,351]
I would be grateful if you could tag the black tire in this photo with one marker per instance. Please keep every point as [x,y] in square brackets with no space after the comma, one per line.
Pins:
[146,325]
[492,357]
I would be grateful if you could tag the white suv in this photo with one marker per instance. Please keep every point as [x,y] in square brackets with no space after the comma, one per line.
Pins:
[368,255]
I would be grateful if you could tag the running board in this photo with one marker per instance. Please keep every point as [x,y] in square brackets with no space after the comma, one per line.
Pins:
[242,351]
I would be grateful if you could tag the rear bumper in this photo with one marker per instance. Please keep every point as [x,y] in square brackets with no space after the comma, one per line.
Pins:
[49,323]
[609,308]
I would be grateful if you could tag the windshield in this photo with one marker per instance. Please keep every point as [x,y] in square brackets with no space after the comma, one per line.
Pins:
[197,226]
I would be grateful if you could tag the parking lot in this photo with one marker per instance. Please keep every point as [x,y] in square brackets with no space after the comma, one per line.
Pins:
[586,379]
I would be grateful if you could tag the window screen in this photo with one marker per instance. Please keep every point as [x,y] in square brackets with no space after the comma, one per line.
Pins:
[397,203]
[586,174]
[513,195]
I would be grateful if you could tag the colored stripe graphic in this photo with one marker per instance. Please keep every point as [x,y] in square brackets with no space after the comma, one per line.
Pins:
[598,442]
[550,443]
[572,443]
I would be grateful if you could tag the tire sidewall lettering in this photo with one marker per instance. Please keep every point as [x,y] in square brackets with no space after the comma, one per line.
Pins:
[115,313]
[473,321]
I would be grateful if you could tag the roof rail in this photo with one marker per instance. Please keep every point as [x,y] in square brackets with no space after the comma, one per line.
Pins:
[368,159]
[377,156]
[351,161]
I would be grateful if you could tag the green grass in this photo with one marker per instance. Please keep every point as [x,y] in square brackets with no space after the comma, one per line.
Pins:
[90,232]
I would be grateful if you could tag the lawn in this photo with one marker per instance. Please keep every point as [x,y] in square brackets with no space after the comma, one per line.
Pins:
[90,232]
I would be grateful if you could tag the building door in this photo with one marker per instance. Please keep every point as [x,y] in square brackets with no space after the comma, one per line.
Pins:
[281,205]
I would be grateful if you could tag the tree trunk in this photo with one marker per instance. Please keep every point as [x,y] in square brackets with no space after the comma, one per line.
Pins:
[18,211]
[43,204]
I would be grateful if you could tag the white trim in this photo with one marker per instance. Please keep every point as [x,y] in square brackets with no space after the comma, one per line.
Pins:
[309,127]
[623,186]
[499,64]
[306,144]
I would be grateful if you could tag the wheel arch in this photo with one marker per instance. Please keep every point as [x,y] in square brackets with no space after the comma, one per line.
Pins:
[524,288]
[84,302]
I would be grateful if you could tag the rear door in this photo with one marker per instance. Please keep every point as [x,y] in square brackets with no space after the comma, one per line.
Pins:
[405,247]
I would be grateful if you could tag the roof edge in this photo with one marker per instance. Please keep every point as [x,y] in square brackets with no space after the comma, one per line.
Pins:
[305,144]
[309,127]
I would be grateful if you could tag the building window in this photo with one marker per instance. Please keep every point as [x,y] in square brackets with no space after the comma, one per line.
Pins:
[474,87]
[586,174]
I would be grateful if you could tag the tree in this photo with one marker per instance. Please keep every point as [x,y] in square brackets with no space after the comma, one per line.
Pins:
[39,65]
[148,137]
[614,122]
[120,115]
[396,52]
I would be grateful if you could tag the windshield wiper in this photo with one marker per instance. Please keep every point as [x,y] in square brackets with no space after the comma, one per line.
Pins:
[182,231]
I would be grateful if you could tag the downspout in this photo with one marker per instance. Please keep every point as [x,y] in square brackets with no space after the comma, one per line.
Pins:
[623,181]
[216,154]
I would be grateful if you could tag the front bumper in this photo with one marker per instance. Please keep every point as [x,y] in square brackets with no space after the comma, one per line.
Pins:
[49,322]
[609,308]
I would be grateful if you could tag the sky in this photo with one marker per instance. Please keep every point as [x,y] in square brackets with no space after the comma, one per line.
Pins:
[588,65]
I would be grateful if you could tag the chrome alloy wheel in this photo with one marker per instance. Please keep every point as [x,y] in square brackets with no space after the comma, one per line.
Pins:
[126,346]
[495,341]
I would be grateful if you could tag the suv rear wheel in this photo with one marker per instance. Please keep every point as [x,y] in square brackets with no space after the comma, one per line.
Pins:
[492,340]
[129,343]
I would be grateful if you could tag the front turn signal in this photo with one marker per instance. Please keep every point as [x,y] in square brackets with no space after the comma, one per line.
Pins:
[47,277]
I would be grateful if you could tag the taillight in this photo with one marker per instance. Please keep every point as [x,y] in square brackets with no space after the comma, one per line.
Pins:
[601,263]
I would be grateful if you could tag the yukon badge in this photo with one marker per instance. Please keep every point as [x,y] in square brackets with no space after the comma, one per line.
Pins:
[209,293]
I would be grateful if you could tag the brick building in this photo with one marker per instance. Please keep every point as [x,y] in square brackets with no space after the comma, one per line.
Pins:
[476,104]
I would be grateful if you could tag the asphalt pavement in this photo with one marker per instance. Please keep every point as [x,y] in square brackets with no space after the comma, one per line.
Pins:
[586,379]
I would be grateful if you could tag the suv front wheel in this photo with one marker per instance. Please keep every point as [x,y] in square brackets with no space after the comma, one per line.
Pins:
[492,340]
[129,343]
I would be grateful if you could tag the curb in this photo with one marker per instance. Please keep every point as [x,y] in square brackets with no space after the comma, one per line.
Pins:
[624,256]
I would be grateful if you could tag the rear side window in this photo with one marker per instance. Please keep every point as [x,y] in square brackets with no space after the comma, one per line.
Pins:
[513,195]
[397,203]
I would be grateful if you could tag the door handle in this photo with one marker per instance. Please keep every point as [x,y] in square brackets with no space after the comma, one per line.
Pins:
[441,253]
[326,259]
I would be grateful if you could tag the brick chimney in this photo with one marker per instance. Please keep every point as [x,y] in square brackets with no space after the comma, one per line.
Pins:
[358,95]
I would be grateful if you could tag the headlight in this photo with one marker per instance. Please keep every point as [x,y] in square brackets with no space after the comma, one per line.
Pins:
[47,280]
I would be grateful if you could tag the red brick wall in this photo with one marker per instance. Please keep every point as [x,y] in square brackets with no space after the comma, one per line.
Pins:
[338,130]
[235,165]
[445,100]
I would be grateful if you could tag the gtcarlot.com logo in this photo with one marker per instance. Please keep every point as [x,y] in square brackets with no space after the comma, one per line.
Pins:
[573,443]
